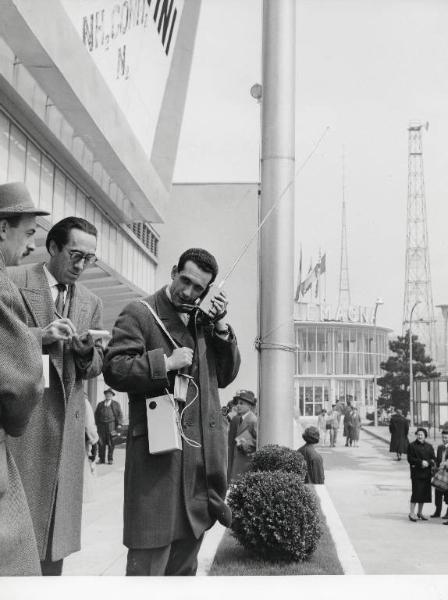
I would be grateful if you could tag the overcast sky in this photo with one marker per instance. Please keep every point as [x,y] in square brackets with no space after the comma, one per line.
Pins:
[365,69]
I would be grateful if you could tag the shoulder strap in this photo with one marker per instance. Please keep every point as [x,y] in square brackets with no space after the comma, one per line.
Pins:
[159,323]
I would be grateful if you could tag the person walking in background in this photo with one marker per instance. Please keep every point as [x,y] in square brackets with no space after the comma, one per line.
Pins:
[60,312]
[399,429]
[21,382]
[355,427]
[333,421]
[441,462]
[348,425]
[108,417]
[322,426]
[242,439]
[421,458]
[314,462]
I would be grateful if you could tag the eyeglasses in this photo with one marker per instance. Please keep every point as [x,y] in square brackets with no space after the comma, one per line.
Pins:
[76,256]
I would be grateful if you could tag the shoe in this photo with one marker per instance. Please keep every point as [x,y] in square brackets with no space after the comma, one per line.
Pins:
[101,462]
[446,523]
[436,515]
[422,517]
[412,518]
[110,462]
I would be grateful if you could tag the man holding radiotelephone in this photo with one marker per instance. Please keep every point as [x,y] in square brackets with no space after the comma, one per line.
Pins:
[170,355]
[63,315]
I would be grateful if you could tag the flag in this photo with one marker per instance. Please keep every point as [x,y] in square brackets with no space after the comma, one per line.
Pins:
[323,264]
[307,283]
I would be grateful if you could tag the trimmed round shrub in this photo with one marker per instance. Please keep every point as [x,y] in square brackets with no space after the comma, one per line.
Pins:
[275,515]
[279,458]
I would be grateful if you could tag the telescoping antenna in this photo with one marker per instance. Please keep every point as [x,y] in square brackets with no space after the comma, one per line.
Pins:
[271,210]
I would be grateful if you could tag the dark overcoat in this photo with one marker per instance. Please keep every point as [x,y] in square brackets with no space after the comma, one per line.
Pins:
[55,437]
[417,453]
[314,464]
[240,459]
[399,429]
[21,388]
[168,495]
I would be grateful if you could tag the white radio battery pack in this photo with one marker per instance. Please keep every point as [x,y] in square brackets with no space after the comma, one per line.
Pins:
[163,430]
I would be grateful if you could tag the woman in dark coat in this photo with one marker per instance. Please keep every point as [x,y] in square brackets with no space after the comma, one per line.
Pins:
[399,429]
[314,462]
[420,457]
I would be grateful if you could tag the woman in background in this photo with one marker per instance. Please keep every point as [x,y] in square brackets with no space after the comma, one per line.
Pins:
[322,426]
[421,458]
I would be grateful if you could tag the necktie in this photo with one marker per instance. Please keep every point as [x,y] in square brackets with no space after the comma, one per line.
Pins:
[59,302]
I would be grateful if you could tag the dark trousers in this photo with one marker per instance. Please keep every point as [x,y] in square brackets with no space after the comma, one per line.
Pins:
[178,558]
[105,441]
[439,497]
[51,567]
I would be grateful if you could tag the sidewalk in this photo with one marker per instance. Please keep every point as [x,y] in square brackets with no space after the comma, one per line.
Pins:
[102,551]
[371,492]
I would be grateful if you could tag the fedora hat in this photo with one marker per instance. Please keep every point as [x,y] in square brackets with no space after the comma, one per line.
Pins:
[109,391]
[247,396]
[15,200]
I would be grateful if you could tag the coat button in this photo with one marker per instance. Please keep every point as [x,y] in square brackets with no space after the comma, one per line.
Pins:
[77,414]
[212,423]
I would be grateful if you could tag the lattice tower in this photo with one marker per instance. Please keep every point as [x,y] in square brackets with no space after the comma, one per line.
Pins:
[418,287]
[344,300]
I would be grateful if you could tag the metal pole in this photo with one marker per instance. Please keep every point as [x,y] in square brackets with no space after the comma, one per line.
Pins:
[411,374]
[378,302]
[277,235]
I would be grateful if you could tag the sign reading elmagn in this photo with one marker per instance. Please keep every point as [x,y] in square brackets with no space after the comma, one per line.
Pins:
[132,43]
[112,24]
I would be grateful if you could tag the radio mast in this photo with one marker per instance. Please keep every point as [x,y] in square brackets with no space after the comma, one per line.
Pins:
[418,287]
[344,300]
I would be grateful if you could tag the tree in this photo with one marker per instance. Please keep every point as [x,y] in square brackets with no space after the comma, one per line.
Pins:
[395,383]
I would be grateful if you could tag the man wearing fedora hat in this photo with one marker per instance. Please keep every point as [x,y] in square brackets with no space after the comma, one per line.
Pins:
[21,383]
[108,416]
[242,434]
[60,313]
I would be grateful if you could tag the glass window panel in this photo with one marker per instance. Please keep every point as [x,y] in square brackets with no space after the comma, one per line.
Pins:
[90,211]
[17,155]
[119,251]
[443,397]
[4,147]
[70,199]
[32,178]
[443,413]
[112,246]
[80,204]
[312,339]
[104,241]
[46,184]
[58,196]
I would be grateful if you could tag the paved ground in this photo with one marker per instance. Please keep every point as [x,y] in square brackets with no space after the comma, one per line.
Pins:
[371,491]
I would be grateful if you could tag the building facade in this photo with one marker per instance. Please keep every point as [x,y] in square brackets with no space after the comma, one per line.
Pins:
[92,94]
[338,355]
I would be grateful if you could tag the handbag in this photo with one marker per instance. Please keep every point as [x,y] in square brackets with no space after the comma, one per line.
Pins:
[440,480]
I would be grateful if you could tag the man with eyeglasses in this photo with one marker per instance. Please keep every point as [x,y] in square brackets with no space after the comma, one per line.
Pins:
[50,455]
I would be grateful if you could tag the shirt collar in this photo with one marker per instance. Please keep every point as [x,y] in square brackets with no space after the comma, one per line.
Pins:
[52,281]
